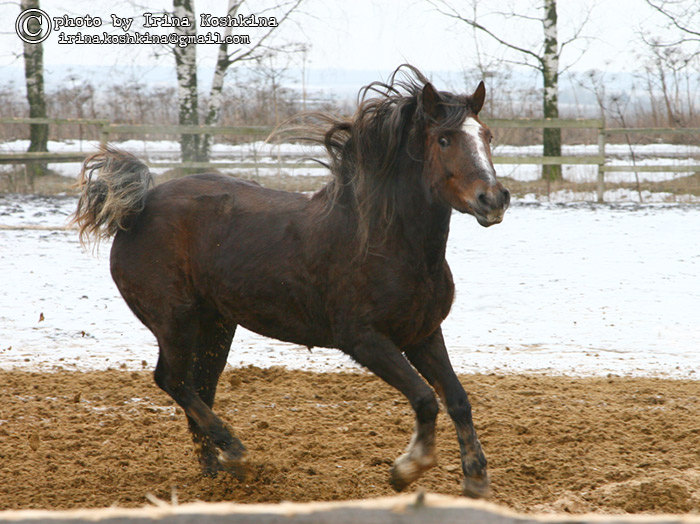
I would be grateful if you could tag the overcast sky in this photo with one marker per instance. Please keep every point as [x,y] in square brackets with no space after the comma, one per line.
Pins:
[369,35]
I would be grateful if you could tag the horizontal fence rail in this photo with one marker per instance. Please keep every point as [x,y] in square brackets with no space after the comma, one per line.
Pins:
[108,130]
[559,123]
[541,123]
[58,121]
[652,130]
[186,130]
[22,157]
[549,160]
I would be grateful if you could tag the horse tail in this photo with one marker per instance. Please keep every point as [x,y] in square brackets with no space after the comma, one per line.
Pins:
[113,186]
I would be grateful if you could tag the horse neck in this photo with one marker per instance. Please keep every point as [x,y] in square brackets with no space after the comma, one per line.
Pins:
[423,225]
[419,225]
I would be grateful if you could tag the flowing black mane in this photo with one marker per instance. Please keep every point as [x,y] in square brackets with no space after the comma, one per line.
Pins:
[380,146]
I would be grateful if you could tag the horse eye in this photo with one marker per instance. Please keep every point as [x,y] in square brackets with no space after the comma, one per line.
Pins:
[443,141]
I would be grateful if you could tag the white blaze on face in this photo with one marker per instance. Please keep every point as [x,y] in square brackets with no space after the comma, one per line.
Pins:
[472,128]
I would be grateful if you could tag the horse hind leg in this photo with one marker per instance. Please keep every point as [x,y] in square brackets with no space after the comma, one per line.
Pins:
[208,362]
[204,448]
[192,357]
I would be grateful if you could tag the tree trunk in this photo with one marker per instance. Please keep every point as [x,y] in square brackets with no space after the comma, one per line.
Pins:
[186,70]
[34,78]
[550,74]
[216,94]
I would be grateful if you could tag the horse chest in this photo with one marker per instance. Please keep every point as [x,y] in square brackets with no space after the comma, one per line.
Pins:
[420,307]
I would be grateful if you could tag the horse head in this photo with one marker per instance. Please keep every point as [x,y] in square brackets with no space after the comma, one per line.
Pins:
[458,161]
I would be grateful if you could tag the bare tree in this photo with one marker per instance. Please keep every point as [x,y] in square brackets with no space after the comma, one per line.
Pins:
[672,75]
[228,57]
[546,59]
[186,71]
[683,18]
[34,79]
[192,146]
[672,60]
[595,82]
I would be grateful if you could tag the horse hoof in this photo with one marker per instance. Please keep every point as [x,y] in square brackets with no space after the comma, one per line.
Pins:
[398,482]
[406,470]
[233,461]
[208,461]
[210,473]
[238,470]
[210,467]
[476,487]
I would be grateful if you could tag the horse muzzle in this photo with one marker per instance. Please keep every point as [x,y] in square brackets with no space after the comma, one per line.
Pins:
[490,204]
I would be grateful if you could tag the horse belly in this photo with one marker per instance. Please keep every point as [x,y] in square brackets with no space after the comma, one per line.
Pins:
[279,318]
[271,296]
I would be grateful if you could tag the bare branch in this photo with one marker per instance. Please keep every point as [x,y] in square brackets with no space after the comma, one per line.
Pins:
[573,62]
[577,31]
[250,54]
[473,23]
[510,14]
[656,43]
[522,63]
[673,18]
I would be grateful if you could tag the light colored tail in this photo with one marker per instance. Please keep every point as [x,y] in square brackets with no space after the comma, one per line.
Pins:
[113,186]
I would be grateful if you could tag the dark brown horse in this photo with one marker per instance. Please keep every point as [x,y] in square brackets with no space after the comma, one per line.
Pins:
[359,266]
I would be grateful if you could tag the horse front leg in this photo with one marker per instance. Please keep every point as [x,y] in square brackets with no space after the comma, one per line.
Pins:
[378,354]
[431,360]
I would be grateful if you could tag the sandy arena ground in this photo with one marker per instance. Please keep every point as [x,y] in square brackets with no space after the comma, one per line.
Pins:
[92,439]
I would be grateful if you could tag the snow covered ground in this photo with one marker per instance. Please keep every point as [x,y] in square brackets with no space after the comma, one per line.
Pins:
[576,289]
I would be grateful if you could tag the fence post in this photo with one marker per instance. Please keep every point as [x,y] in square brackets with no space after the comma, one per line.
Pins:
[104,135]
[600,189]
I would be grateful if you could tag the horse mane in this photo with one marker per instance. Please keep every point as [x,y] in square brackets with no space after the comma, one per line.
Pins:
[372,152]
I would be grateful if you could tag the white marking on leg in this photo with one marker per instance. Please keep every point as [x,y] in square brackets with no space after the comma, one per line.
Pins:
[415,461]
[472,128]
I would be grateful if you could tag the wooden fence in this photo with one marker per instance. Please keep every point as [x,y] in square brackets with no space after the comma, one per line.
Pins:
[558,123]
[108,130]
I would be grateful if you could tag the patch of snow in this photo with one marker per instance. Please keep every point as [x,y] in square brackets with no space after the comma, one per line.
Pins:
[618,196]
[580,289]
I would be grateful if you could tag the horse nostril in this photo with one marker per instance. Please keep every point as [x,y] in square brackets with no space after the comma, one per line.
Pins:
[505,194]
[483,199]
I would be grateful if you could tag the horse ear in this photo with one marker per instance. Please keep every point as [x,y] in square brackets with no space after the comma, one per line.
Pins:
[478,97]
[431,101]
